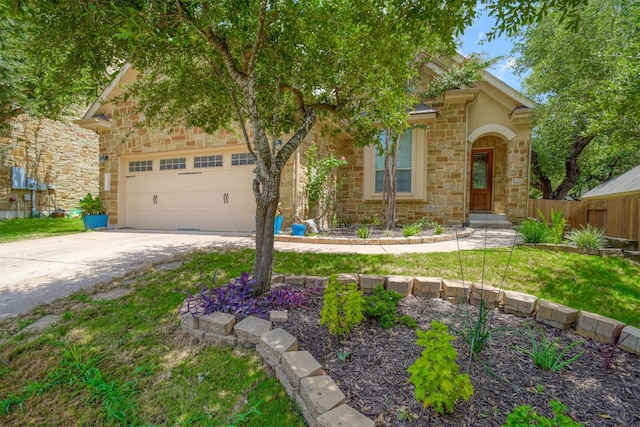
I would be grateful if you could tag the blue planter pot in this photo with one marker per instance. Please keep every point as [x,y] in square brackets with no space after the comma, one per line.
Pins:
[297,229]
[95,221]
[277,224]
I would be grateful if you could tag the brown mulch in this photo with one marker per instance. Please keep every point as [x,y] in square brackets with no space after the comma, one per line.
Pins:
[374,375]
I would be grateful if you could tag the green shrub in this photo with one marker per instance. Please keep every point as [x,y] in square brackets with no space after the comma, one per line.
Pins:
[533,231]
[555,229]
[342,307]
[525,415]
[545,353]
[363,232]
[589,237]
[411,229]
[542,231]
[435,374]
[383,305]
[408,321]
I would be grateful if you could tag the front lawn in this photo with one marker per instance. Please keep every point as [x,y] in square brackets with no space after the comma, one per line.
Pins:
[34,228]
[126,361]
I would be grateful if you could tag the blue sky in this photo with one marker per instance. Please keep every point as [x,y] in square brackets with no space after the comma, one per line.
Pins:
[472,41]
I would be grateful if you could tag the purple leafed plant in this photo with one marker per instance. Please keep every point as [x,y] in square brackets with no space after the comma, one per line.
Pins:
[608,350]
[239,298]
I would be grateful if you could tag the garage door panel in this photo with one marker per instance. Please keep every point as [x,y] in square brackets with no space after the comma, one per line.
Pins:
[217,198]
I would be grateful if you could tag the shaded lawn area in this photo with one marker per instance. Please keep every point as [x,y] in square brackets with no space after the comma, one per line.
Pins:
[34,228]
[155,374]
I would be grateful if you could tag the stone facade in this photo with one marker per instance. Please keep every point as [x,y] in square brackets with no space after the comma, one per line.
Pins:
[488,115]
[62,157]
[447,172]
[127,136]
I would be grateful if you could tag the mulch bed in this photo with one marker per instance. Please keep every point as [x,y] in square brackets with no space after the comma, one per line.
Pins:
[374,375]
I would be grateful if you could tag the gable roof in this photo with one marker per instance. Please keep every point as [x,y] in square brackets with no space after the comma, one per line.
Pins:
[99,113]
[625,184]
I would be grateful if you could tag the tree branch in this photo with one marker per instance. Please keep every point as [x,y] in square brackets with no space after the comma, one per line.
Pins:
[219,44]
[572,168]
[544,183]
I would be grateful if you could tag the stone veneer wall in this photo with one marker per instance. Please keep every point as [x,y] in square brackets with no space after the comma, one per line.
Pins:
[128,137]
[445,175]
[57,153]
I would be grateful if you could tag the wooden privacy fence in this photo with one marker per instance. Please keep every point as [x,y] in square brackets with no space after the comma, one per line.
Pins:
[618,216]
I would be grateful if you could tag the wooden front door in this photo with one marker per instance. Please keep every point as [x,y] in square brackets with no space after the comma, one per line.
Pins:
[481,197]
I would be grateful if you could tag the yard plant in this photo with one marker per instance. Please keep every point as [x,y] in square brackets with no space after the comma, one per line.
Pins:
[435,374]
[587,237]
[342,307]
[545,353]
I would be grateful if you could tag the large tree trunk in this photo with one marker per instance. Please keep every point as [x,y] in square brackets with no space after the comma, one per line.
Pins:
[267,194]
[572,170]
[266,189]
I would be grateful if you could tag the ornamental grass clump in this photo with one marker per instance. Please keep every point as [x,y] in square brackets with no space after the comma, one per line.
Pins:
[435,374]
[545,353]
[589,237]
[543,231]
[533,231]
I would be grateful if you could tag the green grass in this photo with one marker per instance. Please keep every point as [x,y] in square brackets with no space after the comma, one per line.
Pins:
[161,377]
[34,228]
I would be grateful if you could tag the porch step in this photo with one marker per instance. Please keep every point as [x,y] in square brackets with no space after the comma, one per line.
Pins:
[489,221]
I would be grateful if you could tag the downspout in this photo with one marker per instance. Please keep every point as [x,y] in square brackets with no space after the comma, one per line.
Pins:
[465,223]
[296,186]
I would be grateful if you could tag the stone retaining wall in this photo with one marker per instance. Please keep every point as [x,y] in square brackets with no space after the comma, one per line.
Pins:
[322,401]
[621,251]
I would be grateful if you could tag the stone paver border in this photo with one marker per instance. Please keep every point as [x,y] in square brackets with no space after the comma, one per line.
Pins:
[322,401]
[322,240]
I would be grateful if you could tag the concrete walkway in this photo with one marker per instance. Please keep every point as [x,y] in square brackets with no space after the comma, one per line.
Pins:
[34,272]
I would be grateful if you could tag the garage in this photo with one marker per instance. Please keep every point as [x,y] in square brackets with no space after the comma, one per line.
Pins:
[206,190]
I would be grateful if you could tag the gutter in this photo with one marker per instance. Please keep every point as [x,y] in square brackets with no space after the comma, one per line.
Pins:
[465,223]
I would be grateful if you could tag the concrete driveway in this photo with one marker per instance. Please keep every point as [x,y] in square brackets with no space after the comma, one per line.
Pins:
[34,272]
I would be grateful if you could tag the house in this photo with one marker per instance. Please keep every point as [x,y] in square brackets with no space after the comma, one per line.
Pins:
[45,165]
[471,157]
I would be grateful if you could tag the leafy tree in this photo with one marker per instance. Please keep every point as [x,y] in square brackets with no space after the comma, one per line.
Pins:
[273,67]
[29,84]
[587,126]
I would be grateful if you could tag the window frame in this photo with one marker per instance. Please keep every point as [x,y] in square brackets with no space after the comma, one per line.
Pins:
[418,170]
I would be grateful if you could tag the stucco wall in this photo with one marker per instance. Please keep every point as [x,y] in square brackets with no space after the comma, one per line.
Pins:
[62,155]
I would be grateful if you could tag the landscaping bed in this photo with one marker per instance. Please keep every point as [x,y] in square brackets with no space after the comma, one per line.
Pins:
[370,367]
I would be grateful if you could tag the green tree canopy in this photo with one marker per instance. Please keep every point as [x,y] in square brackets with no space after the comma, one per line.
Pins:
[587,83]
[35,82]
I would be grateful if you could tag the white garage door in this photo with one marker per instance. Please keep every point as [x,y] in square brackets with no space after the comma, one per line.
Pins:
[204,191]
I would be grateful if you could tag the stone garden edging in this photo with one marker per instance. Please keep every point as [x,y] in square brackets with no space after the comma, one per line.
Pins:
[412,240]
[322,401]
[630,253]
